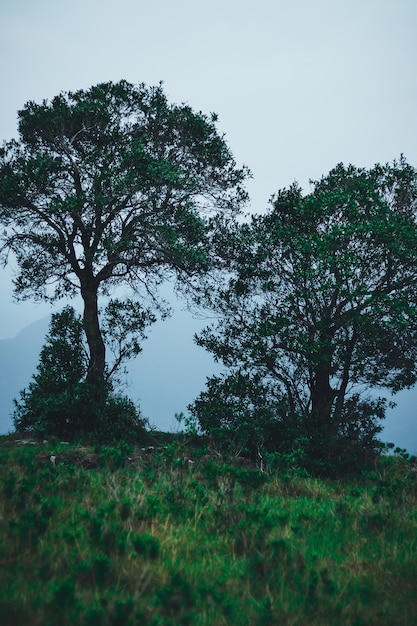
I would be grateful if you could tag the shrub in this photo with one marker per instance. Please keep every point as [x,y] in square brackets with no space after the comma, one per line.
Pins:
[241,414]
[60,402]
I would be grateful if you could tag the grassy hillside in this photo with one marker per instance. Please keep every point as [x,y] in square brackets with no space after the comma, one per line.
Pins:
[171,536]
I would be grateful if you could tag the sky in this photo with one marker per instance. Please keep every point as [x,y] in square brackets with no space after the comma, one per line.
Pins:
[298,86]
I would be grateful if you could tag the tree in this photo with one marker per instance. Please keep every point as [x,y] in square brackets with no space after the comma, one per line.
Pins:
[113,186]
[58,402]
[322,305]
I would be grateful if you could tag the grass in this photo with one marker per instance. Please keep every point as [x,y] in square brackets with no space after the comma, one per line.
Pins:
[121,536]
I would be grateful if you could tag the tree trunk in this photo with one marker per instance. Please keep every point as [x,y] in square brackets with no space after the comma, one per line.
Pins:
[322,394]
[97,362]
[320,426]
[322,398]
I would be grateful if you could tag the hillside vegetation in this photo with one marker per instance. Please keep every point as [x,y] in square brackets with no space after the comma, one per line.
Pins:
[174,534]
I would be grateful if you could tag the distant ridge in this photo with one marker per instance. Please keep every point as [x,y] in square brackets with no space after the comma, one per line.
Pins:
[18,360]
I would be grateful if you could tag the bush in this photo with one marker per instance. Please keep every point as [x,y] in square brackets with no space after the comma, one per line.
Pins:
[60,402]
[241,414]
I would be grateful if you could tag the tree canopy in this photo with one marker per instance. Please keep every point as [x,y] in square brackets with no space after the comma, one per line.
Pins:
[113,186]
[321,306]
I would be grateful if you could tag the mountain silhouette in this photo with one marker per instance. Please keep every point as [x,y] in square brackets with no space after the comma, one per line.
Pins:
[18,360]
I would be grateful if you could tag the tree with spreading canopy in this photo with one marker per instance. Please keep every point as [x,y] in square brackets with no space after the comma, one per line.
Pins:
[321,309]
[114,186]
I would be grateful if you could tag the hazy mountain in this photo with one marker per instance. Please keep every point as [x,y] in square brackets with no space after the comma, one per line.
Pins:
[18,360]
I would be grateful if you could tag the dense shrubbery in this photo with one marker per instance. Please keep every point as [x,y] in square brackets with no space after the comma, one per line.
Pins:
[241,414]
[61,402]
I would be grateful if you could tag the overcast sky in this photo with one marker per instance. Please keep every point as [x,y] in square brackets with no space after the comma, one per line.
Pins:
[298,86]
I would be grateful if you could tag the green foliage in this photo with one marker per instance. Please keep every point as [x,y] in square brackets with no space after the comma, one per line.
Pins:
[321,299]
[242,415]
[60,402]
[99,159]
[228,544]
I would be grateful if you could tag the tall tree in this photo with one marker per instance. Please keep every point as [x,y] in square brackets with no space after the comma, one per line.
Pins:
[323,300]
[112,186]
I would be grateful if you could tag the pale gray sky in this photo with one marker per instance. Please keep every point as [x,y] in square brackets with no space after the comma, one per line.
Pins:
[299,86]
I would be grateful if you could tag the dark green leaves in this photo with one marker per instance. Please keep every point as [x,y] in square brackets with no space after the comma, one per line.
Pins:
[323,296]
[117,178]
